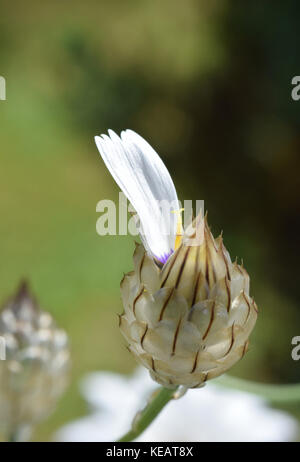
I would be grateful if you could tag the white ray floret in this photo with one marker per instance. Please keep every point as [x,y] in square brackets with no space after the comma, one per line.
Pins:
[140,173]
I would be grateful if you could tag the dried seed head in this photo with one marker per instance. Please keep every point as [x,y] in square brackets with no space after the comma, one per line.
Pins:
[190,320]
[35,371]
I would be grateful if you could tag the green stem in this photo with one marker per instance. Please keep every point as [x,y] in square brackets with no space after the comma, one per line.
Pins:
[273,393]
[143,419]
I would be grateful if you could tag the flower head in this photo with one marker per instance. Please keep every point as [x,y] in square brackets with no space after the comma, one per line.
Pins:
[34,373]
[188,318]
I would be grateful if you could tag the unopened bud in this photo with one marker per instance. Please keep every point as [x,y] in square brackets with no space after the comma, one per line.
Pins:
[34,373]
[190,320]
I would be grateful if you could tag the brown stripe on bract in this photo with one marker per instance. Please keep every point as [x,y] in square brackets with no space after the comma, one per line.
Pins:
[197,276]
[222,248]
[239,269]
[171,264]
[209,259]
[119,319]
[248,304]
[120,316]
[166,304]
[195,362]
[158,263]
[127,275]
[228,294]
[152,365]
[232,341]
[122,280]
[141,266]
[176,337]
[182,266]
[207,265]
[136,298]
[254,306]
[207,376]
[144,335]
[210,321]
[245,349]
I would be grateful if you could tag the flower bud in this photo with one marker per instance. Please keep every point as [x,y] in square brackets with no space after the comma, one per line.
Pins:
[34,373]
[188,321]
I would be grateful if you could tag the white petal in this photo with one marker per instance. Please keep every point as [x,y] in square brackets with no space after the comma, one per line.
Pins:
[144,179]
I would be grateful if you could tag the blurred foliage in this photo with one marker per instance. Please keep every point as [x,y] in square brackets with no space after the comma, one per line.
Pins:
[209,85]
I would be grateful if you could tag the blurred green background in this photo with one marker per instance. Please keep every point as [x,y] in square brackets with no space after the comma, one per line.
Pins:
[208,84]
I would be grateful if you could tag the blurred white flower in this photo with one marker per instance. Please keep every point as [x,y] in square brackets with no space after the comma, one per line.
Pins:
[209,414]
